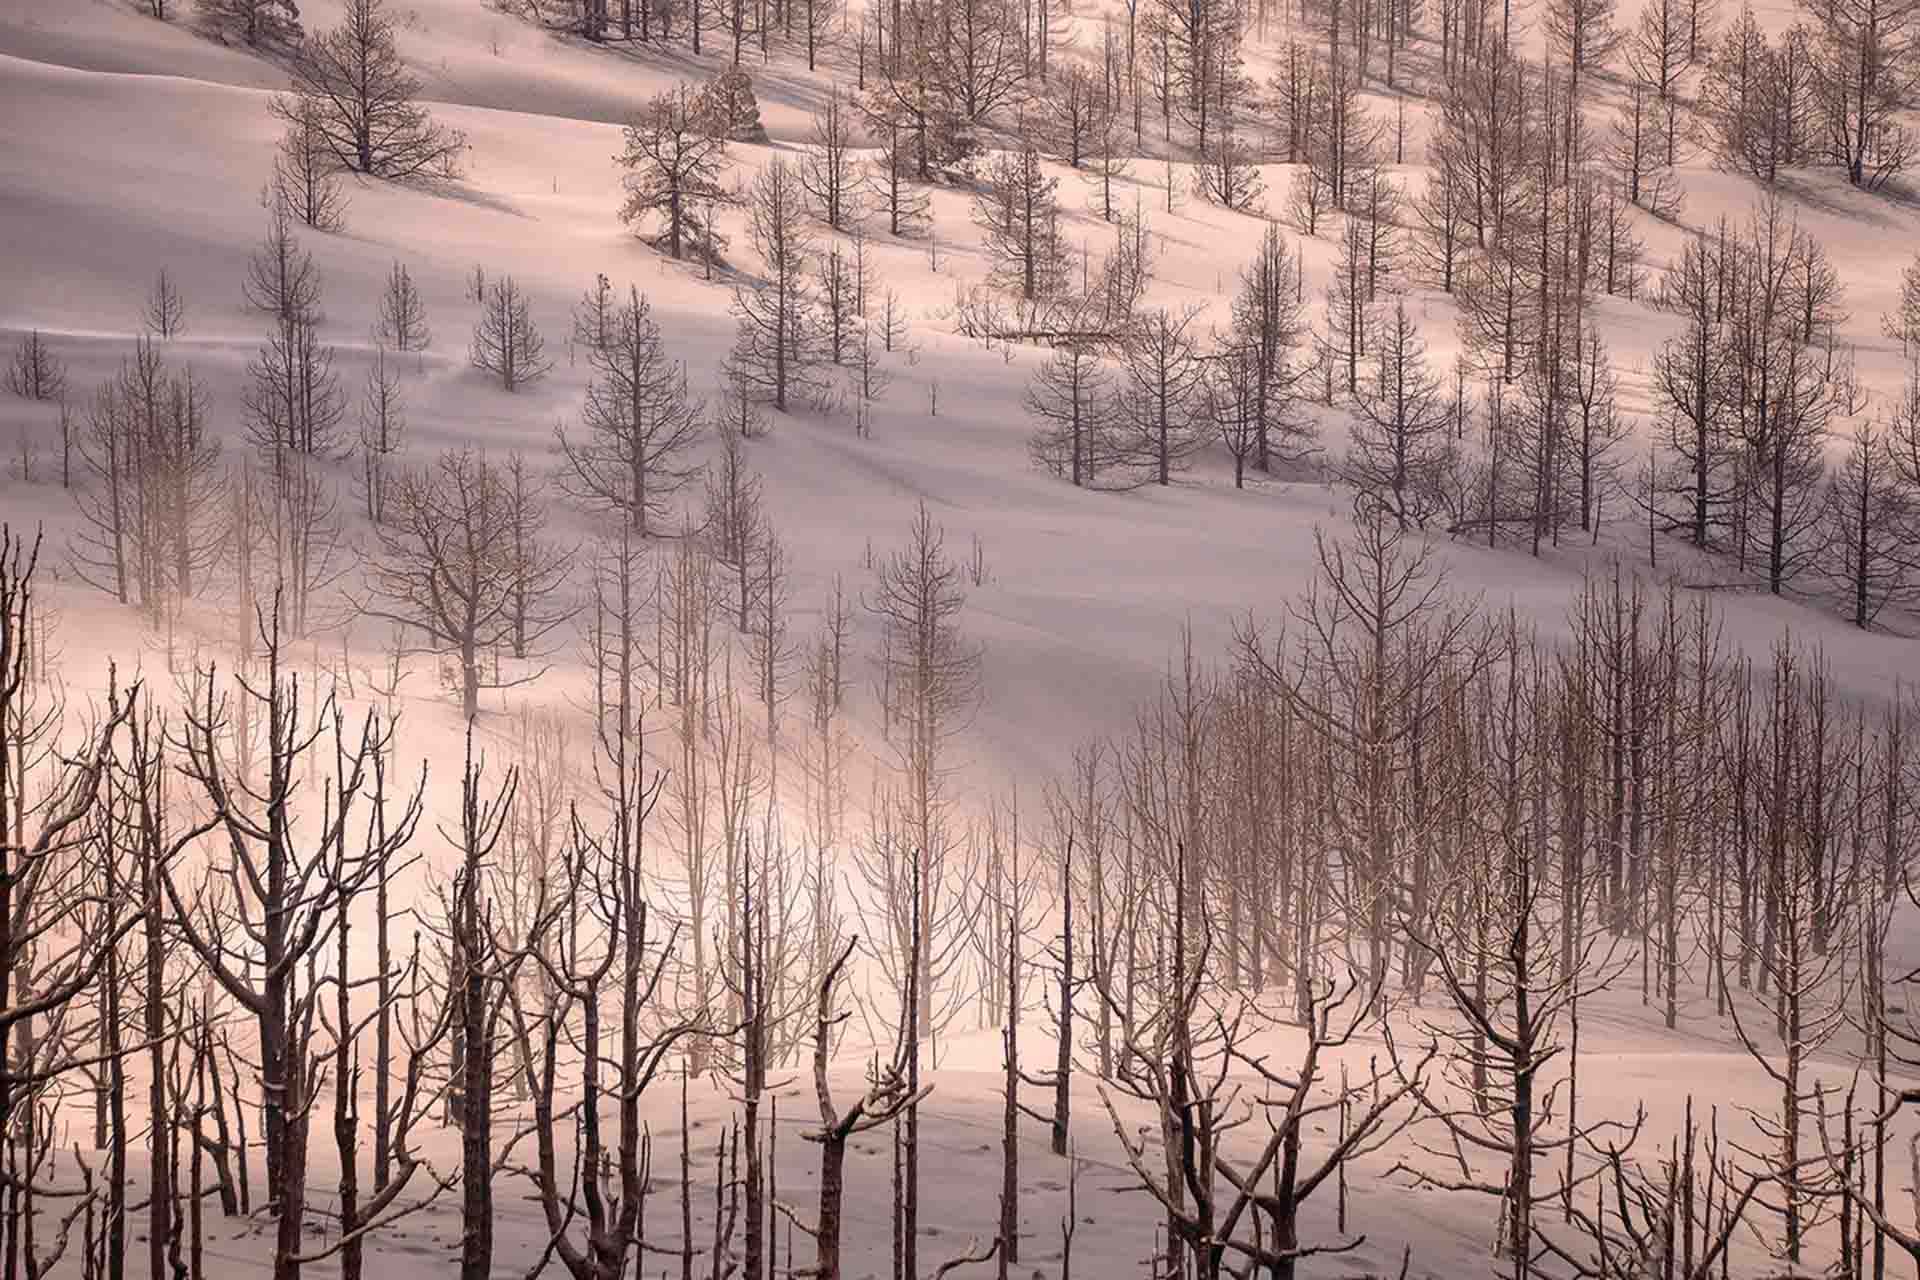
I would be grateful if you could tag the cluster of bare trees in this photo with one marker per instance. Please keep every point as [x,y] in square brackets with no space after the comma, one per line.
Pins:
[1130,395]
[1754,393]
[1413,808]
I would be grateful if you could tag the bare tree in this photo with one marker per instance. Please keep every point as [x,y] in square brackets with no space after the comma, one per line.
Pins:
[1070,396]
[292,404]
[281,279]
[506,342]
[1266,329]
[35,373]
[1870,517]
[63,929]
[1162,401]
[1276,1184]
[261,916]
[1229,170]
[1583,34]
[930,678]
[151,510]
[403,316]
[445,567]
[830,170]
[1865,83]
[674,166]
[1403,438]
[304,177]
[364,101]
[775,354]
[165,314]
[1019,214]
[594,935]
[383,426]
[885,1101]
[259,24]
[639,417]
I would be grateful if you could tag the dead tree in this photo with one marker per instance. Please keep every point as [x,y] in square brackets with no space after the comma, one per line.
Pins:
[383,427]
[260,917]
[479,973]
[775,357]
[674,165]
[60,928]
[640,421]
[446,568]
[830,171]
[1276,1184]
[595,936]
[403,315]
[304,170]
[885,1100]
[365,100]
[35,373]
[506,342]
[1498,963]
[165,314]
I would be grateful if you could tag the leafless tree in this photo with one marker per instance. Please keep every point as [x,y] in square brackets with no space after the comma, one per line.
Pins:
[1229,170]
[151,509]
[674,166]
[364,100]
[929,674]
[403,315]
[383,427]
[281,279]
[261,916]
[165,314]
[1402,440]
[594,935]
[1499,966]
[775,353]
[1583,34]
[1018,212]
[640,422]
[506,342]
[1071,399]
[1267,328]
[292,403]
[1865,81]
[1162,405]
[830,170]
[445,567]
[885,1101]
[304,171]
[35,373]
[1870,528]
[259,24]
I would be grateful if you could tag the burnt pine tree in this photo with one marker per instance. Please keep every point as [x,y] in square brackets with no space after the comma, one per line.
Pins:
[403,316]
[265,907]
[1402,435]
[364,102]
[1163,388]
[36,373]
[673,168]
[446,569]
[506,342]
[1019,213]
[775,351]
[1070,399]
[639,417]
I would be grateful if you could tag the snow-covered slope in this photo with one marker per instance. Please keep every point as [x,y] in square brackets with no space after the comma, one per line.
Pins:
[128,145]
